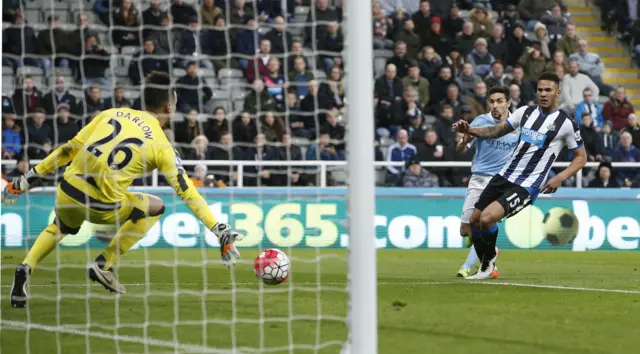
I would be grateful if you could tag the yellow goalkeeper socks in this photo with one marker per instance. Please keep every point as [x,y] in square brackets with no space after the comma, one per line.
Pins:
[45,243]
[130,233]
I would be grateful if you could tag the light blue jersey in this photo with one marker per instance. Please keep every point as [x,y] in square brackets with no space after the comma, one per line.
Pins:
[491,155]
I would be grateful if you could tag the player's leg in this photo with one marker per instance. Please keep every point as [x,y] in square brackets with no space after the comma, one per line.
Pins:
[67,222]
[138,214]
[465,231]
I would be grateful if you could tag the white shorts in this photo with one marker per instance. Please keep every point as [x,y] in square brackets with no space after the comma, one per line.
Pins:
[476,186]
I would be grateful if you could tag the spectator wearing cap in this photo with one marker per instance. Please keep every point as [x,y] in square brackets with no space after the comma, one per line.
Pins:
[533,63]
[416,176]
[18,50]
[126,20]
[257,66]
[279,37]
[496,76]
[465,41]
[430,63]
[38,133]
[416,129]
[543,39]
[331,44]
[11,137]
[498,43]
[569,43]
[482,21]
[401,151]
[27,98]
[65,129]
[182,13]
[437,38]
[192,90]
[634,129]
[382,28]
[627,152]
[53,40]
[617,109]
[419,83]
[605,177]
[318,18]
[60,94]
[422,19]
[453,22]
[94,62]
[509,19]
[589,105]
[574,85]
[148,60]
[516,44]
[467,80]
[533,10]
[192,44]
[480,58]
[152,16]
[410,38]
[608,141]
[592,65]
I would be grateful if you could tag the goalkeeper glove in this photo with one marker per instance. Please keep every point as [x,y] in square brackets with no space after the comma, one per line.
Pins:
[18,186]
[227,239]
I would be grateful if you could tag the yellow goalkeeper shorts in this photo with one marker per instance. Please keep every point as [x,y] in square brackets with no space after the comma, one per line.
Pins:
[73,207]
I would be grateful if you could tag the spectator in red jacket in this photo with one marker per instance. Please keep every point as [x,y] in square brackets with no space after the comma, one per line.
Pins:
[259,62]
[617,109]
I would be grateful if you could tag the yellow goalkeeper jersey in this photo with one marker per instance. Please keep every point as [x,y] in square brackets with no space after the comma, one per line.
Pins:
[118,146]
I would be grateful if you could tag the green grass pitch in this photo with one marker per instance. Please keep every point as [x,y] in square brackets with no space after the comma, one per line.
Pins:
[422,307]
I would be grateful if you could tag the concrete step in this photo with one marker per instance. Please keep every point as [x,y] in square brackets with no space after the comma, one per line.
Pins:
[585,20]
[609,51]
[619,62]
[628,73]
[580,11]
[601,41]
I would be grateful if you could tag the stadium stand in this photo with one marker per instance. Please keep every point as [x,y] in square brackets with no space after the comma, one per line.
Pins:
[256,76]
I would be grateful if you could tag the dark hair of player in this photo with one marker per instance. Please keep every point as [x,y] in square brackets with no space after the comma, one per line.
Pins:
[499,89]
[157,90]
[549,77]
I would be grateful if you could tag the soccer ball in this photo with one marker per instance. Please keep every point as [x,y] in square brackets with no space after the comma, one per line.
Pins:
[272,266]
[560,226]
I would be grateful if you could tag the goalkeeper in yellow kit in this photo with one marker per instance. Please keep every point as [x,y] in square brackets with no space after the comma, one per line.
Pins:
[118,146]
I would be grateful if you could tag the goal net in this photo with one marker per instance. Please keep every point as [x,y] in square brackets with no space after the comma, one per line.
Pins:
[261,127]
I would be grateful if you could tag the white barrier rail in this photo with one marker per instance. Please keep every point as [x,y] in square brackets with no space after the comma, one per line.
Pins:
[324,166]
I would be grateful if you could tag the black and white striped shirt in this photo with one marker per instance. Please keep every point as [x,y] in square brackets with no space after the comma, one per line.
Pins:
[542,137]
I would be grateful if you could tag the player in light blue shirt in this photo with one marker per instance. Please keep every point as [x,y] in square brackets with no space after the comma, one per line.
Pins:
[490,156]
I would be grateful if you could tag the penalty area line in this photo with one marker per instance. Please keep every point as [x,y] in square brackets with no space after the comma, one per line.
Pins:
[384,283]
[15,325]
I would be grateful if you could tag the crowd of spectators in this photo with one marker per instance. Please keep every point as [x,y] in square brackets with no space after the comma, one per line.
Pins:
[259,81]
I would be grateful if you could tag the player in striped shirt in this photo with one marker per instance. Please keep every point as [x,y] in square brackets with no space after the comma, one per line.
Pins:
[544,132]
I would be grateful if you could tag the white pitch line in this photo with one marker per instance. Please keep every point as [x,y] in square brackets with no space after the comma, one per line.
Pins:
[16,325]
[460,282]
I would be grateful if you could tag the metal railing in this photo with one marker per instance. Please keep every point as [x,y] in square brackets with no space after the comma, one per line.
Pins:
[325,166]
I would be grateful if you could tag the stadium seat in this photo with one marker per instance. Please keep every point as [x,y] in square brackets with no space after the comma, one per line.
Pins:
[132,95]
[320,76]
[40,82]
[59,9]
[129,50]
[202,72]
[238,100]
[230,73]
[179,72]
[55,71]
[33,15]
[7,71]
[8,86]
[29,70]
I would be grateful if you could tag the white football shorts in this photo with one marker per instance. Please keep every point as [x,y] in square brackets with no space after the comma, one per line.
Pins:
[476,186]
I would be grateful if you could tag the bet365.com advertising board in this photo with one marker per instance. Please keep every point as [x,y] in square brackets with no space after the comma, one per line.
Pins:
[313,217]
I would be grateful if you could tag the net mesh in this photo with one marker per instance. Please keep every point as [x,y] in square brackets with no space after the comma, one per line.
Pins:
[233,104]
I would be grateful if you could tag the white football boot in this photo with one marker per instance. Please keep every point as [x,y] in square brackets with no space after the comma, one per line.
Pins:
[486,271]
[105,277]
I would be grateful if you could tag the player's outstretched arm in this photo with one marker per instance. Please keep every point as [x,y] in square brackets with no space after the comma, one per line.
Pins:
[578,162]
[171,166]
[487,132]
